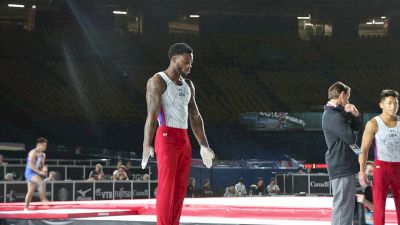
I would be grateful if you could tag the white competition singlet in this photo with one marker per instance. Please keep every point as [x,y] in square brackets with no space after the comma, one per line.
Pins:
[387,142]
[174,104]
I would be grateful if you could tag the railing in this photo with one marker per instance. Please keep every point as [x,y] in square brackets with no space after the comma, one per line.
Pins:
[15,191]
[70,172]
[75,162]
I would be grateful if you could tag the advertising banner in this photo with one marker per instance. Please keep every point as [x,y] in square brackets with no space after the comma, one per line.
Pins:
[319,184]
[123,190]
[103,190]
[83,191]
[63,191]
[281,120]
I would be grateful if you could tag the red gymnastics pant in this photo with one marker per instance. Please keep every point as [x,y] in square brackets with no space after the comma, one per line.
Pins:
[174,155]
[386,174]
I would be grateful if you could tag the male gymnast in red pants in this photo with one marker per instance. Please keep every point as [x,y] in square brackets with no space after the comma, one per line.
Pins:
[384,132]
[170,99]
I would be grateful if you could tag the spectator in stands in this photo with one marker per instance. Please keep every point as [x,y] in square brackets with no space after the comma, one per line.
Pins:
[2,160]
[191,190]
[120,174]
[207,190]
[273,187]
[231,192]
[259,188]
[240,187]
[128,168]
[9,177]
[51,177]
[119,164]
[146,177]
[97,173]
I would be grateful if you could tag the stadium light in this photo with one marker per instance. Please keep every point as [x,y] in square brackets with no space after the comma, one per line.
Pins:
[375,22]
[304,17]
[194,16]
[120,12]
[34,7]
[383,17]
[16,6]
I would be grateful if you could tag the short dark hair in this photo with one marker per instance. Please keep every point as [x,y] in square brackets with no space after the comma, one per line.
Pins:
[41,140]
[179,48]
[387,93]
[337,88]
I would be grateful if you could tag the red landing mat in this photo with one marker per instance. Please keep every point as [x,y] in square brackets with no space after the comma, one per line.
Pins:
[64,213]
[281,208]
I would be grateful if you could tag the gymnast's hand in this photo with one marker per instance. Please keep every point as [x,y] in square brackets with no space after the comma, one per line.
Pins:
[362,178]
[207,155]
[42,172]
[147,152]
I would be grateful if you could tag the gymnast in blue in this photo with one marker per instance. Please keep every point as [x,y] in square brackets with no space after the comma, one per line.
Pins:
[35,170]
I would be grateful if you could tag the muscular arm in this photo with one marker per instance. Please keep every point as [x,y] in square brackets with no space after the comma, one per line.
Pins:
[196,121]
[155,88]
[368,137]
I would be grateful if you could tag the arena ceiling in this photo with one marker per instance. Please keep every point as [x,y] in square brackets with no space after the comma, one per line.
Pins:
[324,10]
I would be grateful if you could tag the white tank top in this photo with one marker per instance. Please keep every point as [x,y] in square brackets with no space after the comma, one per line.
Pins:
[174,104]
[38,160]
[387,142]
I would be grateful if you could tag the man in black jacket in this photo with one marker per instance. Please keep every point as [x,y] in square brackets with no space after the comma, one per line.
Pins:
[341,122]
